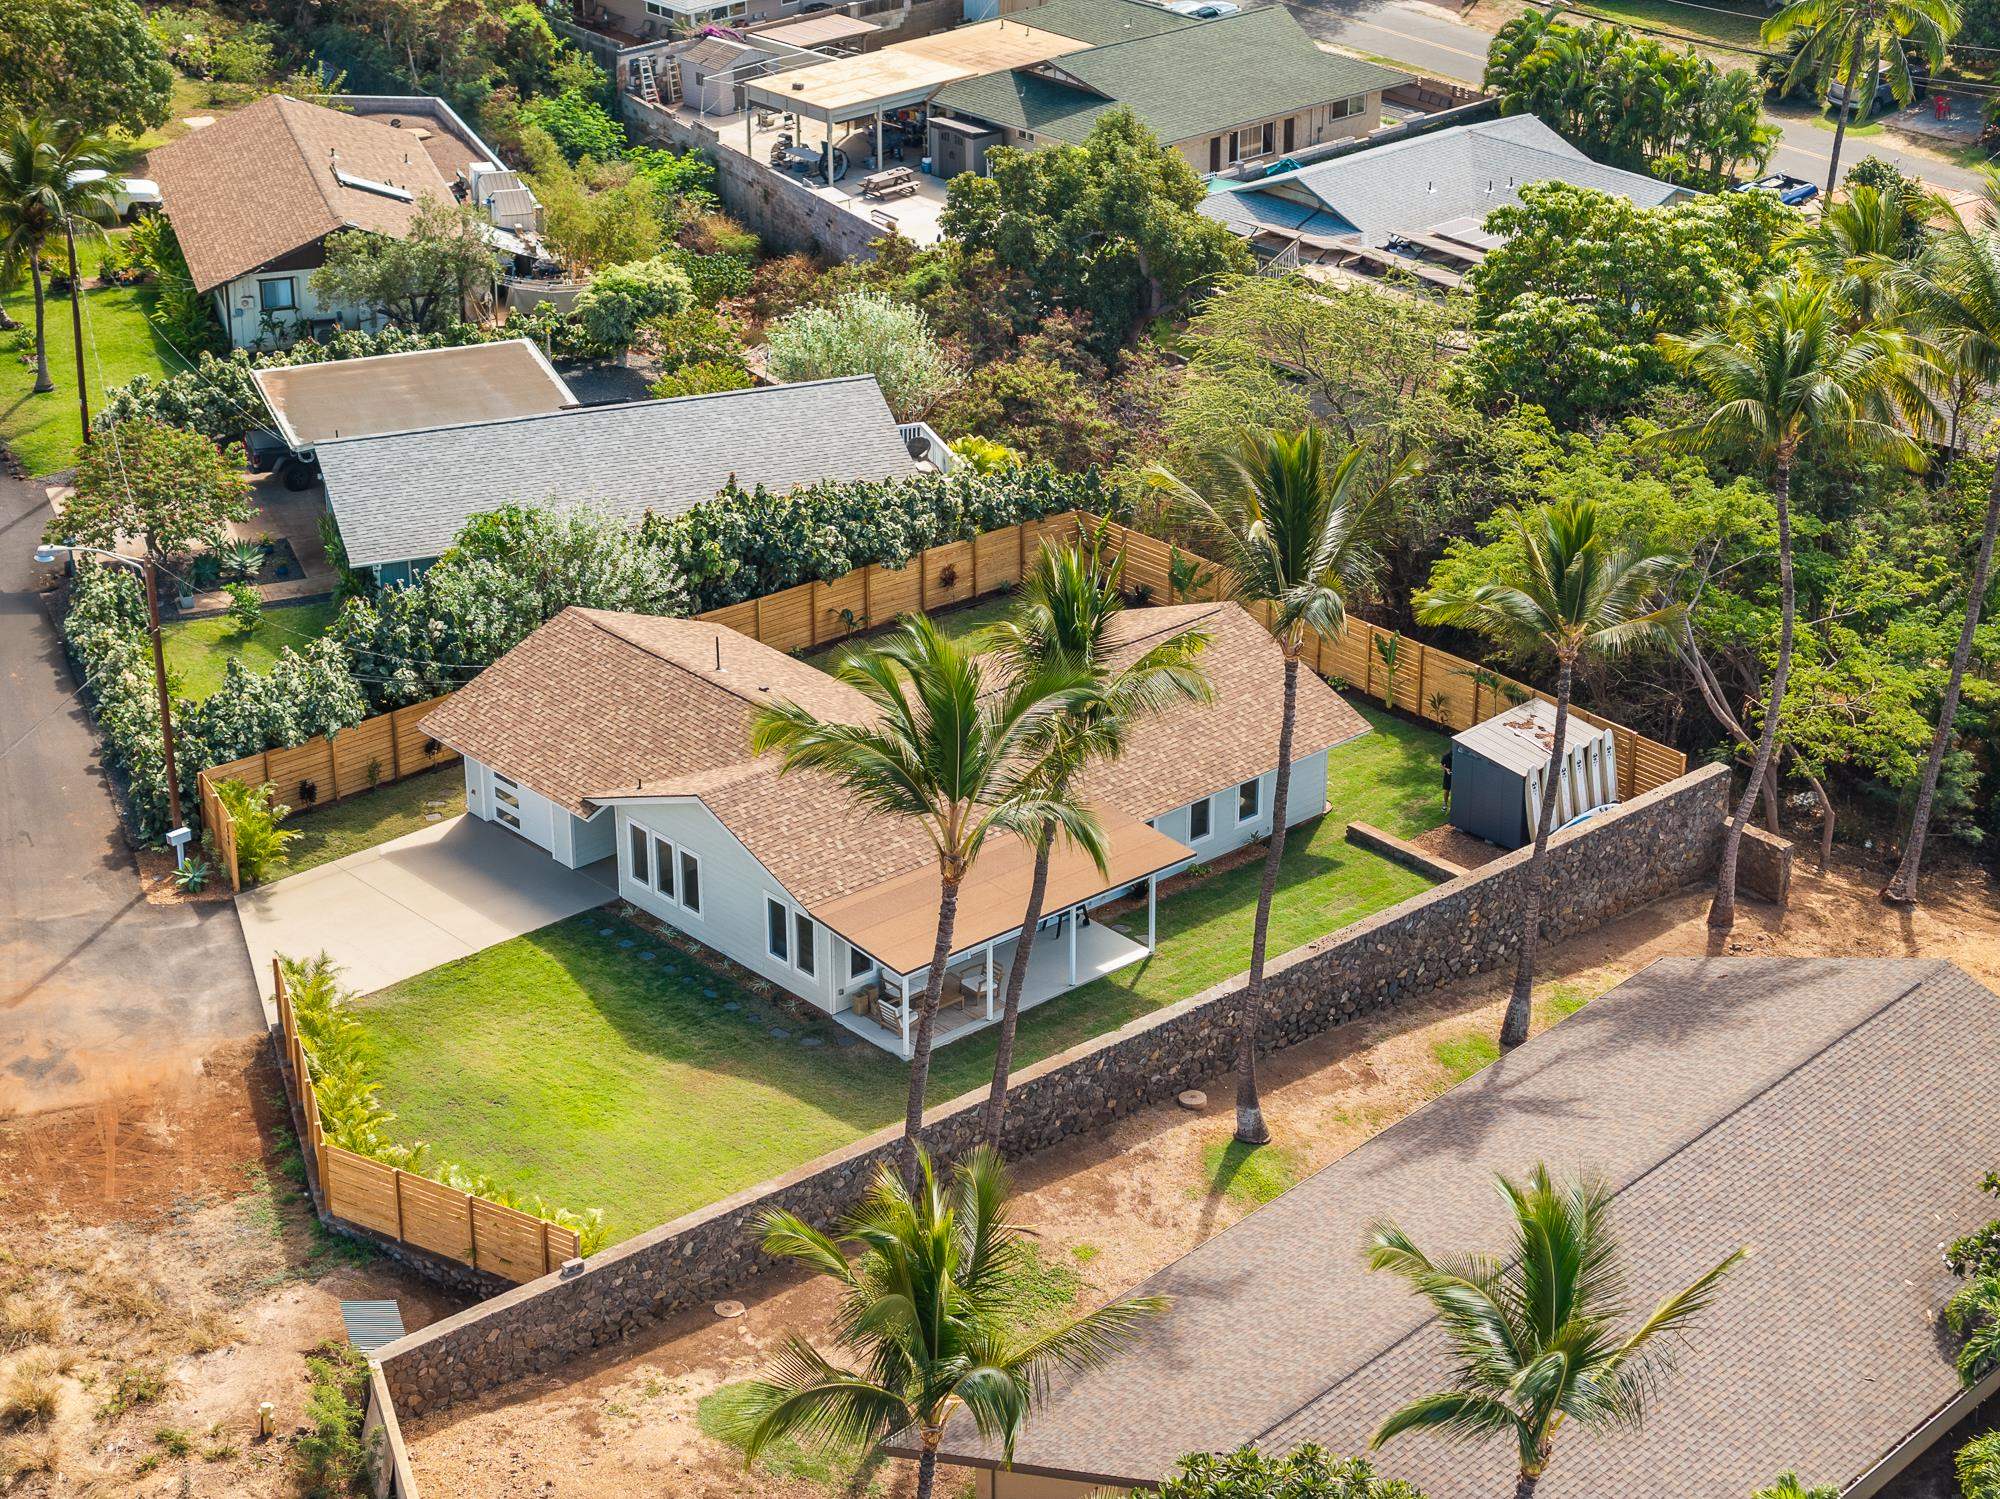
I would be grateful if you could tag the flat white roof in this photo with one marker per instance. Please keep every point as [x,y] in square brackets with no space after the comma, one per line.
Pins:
[908,73]
[384,393]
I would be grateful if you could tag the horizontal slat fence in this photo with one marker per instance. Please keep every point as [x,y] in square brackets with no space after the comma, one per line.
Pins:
[1430,684]
[414,1209]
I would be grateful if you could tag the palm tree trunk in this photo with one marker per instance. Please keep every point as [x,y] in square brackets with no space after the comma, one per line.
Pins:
[920,1060]
[1722,913]
[43,384]
[1250,1126]
[1017,976]
[926,1469]
[1902,888]
[1524,1486]
[1520,1004]
[1840,117]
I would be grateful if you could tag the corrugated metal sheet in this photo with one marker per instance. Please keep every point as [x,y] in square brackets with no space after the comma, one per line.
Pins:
[371,1324]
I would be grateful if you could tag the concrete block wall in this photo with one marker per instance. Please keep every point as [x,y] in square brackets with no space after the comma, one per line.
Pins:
[1646,848]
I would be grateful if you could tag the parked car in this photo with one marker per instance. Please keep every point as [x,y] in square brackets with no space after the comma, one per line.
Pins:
[1206,10]
[1885,96]
[130,195]
[1790,190]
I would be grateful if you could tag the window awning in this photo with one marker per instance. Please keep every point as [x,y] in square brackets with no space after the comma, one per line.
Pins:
[895,921]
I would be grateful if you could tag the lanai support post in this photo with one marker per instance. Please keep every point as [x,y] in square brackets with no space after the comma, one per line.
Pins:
[904,980]
[1075,915]
[989,974]
[1152,914]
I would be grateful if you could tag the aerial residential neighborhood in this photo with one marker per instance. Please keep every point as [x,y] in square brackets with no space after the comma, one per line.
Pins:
[1238,749]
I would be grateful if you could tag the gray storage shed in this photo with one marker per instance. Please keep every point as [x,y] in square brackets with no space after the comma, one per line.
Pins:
[1498,769]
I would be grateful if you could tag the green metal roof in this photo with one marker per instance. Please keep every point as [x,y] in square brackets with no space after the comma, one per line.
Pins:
[1100,22]
[1182,82]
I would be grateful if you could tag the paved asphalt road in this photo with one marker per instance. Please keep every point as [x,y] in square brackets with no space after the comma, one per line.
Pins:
[99,992]
[1432,40]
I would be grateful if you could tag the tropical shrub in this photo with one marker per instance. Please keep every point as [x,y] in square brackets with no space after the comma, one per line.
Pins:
[715,278]
[260,842]
[334,1462]
[578,124]
[1978,1253]
[865,333]
[621,298]
[1979,1467]
[192,875]
[1307,1472]
[740,545]
[1974,1315]
[246,607]
[1789,1486]
[183,316]
[701,379]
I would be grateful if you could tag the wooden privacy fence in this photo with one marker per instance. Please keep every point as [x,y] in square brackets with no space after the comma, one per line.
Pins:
[428,1215]
[1428,683]
[375,752]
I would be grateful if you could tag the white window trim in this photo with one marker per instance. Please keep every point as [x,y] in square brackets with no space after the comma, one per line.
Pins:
[779,951]
[1206,803]
[1258,810]
[688,856]
[639,853]
[810,968]
[671,849]
[264,281]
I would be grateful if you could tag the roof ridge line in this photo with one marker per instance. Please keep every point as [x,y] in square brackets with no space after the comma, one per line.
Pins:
[284,114]
[592,615]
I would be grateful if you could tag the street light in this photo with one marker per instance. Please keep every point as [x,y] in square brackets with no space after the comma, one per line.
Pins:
[177,834]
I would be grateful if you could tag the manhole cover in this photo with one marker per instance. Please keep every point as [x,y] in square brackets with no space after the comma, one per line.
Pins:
[1193,1098]
[730,1309]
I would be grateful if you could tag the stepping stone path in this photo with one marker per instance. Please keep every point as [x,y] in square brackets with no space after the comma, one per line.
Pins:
[626,942]
[647,956]
[709,993]
[433,817]
[811,1041]
[779,1033]
[604,931]
[732,1005]
[845,1040]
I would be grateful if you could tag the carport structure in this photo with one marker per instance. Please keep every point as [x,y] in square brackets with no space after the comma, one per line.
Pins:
[853,89]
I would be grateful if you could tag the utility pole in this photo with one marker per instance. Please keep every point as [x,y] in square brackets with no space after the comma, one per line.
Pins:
[160,682]
[83,390]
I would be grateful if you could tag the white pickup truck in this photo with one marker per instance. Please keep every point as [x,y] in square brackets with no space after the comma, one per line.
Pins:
[129,195]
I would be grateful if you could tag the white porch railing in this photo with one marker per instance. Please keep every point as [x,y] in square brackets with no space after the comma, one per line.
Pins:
[927,446]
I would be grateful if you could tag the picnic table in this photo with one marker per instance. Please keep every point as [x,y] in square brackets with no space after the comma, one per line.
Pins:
[896,182]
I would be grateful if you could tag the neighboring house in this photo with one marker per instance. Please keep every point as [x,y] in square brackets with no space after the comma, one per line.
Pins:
[314,403]
[253,197]
[400,498]
[618,735]
[1834,1115]
[1428,193]
[1222,92]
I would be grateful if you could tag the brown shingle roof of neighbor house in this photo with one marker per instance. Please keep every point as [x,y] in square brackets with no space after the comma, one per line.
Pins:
[1833,1115]
[313,403]
[278,175]
[597,706]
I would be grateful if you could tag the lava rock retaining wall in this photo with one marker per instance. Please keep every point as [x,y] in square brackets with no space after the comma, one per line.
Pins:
[1646,848]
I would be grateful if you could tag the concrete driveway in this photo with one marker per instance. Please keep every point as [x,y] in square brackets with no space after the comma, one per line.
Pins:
[406,906]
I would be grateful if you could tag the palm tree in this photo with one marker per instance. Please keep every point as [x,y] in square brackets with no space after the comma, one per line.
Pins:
[1839,34]
[939,751]
[1534,1337]
[1957,296]
[1859,247]
[930,1308]
[1782,372]
[1289,522]
[1061,624]
[40,162]
[1571,593]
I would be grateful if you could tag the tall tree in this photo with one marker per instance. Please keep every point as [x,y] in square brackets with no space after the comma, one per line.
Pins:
[93,61]
[1781,372]
[1857,43]
[1062,624]
[1289,521]
[421,279]
[40,165]
[1570,593]
[1957,296]
[931,1306]
[1533,1332]
[944,753]
[172,490]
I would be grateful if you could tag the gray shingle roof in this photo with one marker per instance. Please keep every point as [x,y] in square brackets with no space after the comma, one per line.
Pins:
[1182,82]
[1408,186]
[406,496]
[1102,21]
[1832,1114]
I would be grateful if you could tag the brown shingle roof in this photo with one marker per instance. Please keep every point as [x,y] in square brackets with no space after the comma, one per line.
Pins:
[1834,1115]
[598,706]
[261,183]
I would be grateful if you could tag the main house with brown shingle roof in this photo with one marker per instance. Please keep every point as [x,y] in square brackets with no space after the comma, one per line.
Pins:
[253,197]
[626,736]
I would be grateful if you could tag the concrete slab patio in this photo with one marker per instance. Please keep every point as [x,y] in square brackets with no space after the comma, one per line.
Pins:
[408,905]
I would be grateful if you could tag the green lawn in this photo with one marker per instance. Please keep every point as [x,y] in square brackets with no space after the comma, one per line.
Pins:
[597,1065]
[118,343]
[198,649]
[954,624]
[346,827]
[1741,26]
